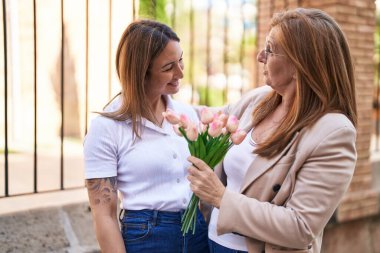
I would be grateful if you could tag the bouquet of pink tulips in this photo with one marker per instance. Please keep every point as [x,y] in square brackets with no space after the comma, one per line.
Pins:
[209,141]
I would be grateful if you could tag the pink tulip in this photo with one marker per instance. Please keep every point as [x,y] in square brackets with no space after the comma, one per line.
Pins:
[216,115]
[192,132]
[206,116]
[183,120]
[171,116]
[202,127]
[223,118]
[176,130]
[238,136]
[232,124]
[215,128]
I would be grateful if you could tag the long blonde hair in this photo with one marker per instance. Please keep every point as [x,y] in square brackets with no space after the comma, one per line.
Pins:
[140,44]
[325,81]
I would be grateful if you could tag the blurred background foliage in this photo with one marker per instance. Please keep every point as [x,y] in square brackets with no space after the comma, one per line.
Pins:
[218,39]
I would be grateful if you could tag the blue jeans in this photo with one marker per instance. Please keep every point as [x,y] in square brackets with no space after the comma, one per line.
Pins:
[146,231]
[217,248]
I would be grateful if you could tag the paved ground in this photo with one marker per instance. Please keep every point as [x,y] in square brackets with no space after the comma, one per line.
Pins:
[60,227]
[58,222]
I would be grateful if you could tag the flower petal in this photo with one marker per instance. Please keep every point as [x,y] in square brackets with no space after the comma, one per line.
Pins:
[171,116]
[192,132]
[215,128]
[232,123]
[238,136]
[206,116]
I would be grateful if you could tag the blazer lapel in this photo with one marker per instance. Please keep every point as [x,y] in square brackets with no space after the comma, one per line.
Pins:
[247,127]
[245,120]
[262,164]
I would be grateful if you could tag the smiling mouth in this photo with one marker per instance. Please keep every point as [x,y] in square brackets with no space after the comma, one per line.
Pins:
[176,83]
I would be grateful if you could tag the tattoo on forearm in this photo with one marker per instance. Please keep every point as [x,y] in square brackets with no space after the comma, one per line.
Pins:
[101,189]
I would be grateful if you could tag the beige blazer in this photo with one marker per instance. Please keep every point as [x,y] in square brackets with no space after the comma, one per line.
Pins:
[285,202]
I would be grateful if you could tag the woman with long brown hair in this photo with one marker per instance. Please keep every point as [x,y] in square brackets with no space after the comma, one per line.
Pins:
[131,149]
[277,190]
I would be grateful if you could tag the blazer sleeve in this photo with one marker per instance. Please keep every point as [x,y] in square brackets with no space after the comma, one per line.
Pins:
[252,97]
[319,186]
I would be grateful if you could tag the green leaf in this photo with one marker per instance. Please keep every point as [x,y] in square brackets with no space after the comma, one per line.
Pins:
[197,143]
[211,150]
[202,149]
[218,158]
[191,148]
[183,132]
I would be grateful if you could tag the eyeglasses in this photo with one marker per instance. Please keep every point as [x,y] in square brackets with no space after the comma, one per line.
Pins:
[267,51]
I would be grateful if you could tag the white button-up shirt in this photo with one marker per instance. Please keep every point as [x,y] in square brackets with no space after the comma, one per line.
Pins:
[151,171]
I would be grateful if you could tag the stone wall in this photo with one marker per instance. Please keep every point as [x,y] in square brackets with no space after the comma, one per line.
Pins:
[358,236]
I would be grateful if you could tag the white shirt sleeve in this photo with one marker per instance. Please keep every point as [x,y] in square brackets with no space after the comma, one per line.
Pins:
[100,149]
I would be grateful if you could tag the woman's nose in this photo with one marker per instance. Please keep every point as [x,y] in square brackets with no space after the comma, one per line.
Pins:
[179,70]
[261,56]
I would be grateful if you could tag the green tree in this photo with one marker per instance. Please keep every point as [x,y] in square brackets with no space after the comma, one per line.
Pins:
[153,9]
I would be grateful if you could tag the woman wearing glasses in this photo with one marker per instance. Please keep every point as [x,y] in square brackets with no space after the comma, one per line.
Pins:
[277,190]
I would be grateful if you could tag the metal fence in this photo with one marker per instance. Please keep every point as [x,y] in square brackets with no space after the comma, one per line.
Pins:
[58,68]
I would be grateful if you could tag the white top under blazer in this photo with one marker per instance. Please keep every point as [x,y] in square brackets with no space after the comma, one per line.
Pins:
[236,163]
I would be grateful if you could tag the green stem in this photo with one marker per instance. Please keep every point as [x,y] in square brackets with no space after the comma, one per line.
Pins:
[189,218]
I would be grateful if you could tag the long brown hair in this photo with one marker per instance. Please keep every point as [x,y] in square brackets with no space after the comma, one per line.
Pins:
[141,42]
[325,82]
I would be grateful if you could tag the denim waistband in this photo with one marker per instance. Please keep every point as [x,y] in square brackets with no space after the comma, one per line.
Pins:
[153,215]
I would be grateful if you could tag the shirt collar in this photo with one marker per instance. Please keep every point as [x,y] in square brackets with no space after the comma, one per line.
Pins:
[166,126]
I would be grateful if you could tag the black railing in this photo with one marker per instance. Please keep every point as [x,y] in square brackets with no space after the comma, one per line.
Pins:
[6,163]
[62,79]
[34,97]
[205,62]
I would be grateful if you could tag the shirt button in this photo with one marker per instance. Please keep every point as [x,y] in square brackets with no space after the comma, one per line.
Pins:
[175,156]
[177,180]
[184,201]
[276,187]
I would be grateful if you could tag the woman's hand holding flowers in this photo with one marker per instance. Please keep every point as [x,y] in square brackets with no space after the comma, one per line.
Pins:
[209,142]
[204,182]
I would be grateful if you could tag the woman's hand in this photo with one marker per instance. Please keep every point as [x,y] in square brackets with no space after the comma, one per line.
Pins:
[204,183]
